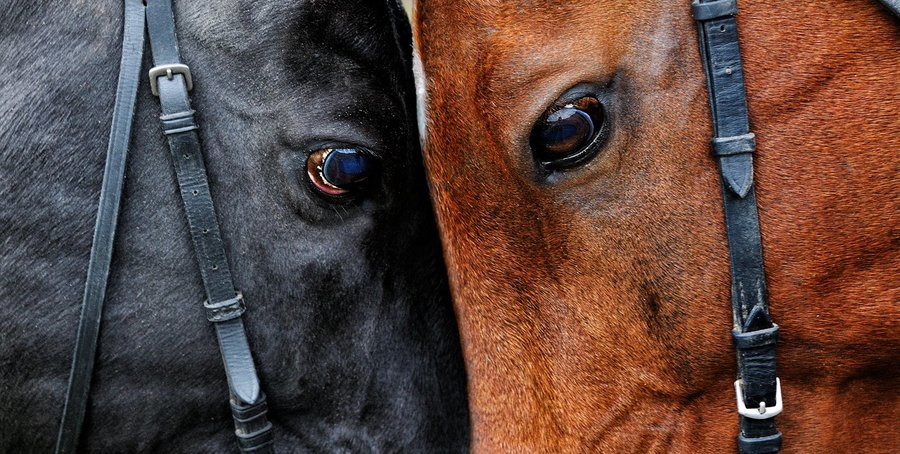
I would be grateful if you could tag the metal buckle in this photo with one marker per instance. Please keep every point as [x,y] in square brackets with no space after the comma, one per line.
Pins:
[762,412]
[169,71]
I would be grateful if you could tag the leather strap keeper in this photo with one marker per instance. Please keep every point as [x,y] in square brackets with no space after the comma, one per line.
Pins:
[225,310]
[760,445]
[250,412]
[713,10]
[253,430]
[257,440]
[753,339]
[178,122]
[728,146]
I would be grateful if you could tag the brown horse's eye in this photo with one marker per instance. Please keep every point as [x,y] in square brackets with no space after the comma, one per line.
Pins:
[570,134]
[340,172]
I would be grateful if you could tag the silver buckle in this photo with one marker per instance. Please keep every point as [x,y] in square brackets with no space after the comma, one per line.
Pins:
[169,71]
[762,412]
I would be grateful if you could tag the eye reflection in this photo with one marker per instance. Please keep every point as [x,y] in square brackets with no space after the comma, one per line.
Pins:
[341,172]
[570,134]
[566,129]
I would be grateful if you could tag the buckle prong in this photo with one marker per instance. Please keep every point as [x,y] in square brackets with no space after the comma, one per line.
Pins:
[762,412]
[169,72]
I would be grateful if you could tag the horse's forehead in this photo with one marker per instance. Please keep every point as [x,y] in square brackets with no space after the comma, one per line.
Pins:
[516,54]
[243,24]
[524,13]
[228,23]
[531,37]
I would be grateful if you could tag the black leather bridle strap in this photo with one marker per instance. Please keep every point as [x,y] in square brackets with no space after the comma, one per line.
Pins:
[754,334]
[171,79]
[104,230]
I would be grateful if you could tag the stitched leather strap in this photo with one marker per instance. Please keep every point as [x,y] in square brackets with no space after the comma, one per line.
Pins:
[104,230]
[754,333]
[180,128]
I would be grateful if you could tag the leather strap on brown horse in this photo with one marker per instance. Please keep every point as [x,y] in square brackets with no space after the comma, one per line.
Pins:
[755,335]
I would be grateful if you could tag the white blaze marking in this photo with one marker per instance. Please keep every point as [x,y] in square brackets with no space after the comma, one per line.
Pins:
[421,102]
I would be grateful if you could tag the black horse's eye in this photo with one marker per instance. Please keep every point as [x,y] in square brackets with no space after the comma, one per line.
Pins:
[570,134]
[341,171]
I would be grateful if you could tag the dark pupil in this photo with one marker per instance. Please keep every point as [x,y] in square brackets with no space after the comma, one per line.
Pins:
[348,167]
[570,134]
[565,131]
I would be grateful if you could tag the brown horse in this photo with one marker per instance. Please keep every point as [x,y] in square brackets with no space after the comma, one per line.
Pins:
[589,267]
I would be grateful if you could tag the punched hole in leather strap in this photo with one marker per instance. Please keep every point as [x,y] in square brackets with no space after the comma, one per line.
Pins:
[225,310]
[713,10]
[734,145]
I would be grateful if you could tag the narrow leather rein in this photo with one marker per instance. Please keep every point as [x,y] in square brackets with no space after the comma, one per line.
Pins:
[104,230]
[171,80]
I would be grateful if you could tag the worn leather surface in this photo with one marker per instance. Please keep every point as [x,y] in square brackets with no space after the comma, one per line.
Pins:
[180,128]
[104,230]
[733,147]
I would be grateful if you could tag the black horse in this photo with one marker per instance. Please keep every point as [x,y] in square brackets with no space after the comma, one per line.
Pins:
[348,315]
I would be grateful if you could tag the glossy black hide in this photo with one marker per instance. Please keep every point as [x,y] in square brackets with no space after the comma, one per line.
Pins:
[349,315]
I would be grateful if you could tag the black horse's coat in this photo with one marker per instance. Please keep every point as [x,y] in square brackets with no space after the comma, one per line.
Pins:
[349,315]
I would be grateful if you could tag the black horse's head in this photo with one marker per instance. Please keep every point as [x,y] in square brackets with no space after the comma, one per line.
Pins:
[307,117]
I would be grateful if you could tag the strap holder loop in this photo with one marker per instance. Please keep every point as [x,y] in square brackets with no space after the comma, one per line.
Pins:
[178,122]
[225,310]
[730,146]
[253,430]
[753,339]
[708,11]
[760,445]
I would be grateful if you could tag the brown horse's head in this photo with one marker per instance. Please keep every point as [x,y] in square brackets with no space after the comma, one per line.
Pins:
[567,149]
